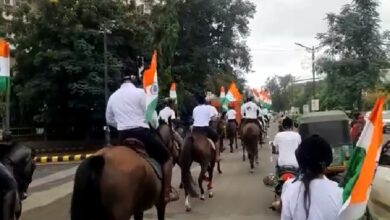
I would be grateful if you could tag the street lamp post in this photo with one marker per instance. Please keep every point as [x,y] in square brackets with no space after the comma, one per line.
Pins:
[313,59]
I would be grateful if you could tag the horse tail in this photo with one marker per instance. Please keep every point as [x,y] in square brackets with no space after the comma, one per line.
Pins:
[86,200]
[185,165]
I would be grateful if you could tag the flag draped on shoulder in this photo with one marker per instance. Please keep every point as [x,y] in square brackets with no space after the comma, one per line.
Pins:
[233,93]
[4,64]
[362,166]
[150,85]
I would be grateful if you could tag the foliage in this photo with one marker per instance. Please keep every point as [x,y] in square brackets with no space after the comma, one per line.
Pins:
[355,53]
[211,41]
[60,56]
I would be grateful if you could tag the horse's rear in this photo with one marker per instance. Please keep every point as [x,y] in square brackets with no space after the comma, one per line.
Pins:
[197,147]
[231,132]
[250,137]
[116,183]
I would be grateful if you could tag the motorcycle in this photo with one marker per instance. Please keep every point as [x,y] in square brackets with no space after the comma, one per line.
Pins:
[276,181]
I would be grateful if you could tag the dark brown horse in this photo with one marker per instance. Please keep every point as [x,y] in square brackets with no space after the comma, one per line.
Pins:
[219,125]
[18,166]
[166,133]
[231,133]
[197,148]
[116,183]
[250,137]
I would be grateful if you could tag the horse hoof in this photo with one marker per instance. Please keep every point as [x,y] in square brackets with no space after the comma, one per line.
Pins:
[251,170]
[211,194]
[188,209]
[202,197]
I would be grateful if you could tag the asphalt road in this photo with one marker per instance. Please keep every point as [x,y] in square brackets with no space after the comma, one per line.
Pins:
[237,193]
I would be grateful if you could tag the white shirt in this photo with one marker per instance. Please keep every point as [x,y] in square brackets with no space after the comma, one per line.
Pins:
[231,114]
[167,113]
[126,108]
[326,200]
[203,114]
[250,110]
[287,142]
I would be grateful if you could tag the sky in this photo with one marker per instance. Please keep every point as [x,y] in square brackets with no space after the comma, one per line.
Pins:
[277,24]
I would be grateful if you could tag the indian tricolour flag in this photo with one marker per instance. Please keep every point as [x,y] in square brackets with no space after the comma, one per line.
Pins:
[172,92]
[4,64]
[233,93]
[223,99]
[151,87]
[362,166]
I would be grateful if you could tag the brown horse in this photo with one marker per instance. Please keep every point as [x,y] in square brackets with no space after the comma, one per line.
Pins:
[250,137]
[231,133]
[166,135]
[116,183]
[219,125]
[197,147]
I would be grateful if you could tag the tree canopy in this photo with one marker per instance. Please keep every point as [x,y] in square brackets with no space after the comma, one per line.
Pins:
[355,53]
[60,57]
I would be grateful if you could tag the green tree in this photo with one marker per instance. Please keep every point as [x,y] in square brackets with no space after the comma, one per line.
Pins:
[355,53]
[60,59]
[211,42]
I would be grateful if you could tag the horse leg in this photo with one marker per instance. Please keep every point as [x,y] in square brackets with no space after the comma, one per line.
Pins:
[251,162]
[161,211]
[139,216]
[201,178]
[187,202]
[219,167]
[211,174]
[257,154]
[243,152]
[235,138]
[231,143]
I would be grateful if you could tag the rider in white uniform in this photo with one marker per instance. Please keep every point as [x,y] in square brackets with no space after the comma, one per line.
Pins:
[125,111]
[166,114]
[202,115]
[250,112]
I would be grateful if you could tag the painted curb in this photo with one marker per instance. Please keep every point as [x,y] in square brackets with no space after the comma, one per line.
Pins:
[63,158]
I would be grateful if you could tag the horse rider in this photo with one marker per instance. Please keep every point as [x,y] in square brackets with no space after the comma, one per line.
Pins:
[231,115]
[203,114]
[250,113]
[286,142]
[166,114]
[125,111]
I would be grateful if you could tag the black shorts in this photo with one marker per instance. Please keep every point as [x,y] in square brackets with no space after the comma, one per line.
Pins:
[153,143]
[208,131]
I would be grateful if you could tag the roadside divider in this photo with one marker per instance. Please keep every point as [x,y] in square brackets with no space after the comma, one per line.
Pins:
[61,158]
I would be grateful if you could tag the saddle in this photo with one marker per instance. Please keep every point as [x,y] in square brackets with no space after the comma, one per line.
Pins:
[139,147]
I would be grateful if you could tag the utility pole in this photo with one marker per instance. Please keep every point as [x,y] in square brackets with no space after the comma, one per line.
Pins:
[313,61]
[313,69]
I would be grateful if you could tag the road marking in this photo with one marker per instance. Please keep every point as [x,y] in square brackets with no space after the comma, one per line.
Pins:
[44,198]
[53,177]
